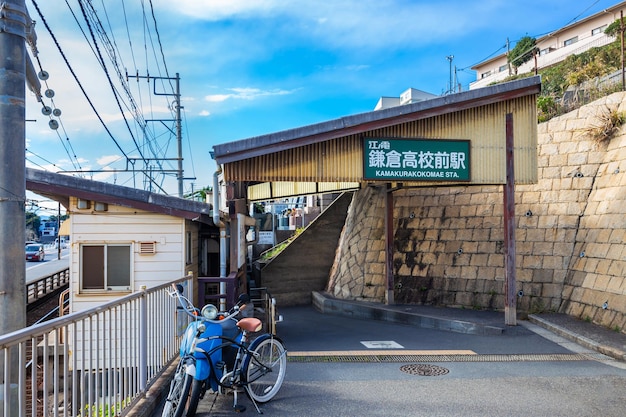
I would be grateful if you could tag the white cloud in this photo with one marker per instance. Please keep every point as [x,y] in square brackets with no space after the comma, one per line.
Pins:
[108,159]
[214,10]
[245,93]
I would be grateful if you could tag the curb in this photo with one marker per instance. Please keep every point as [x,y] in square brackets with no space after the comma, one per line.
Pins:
[329,305]
[581,340]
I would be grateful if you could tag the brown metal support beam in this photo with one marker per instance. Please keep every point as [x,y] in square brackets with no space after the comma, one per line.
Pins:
[389,299]
[510,301]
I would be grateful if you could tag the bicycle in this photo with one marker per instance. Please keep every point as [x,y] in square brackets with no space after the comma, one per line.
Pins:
[217,355]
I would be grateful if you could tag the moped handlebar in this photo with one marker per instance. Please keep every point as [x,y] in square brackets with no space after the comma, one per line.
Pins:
[194,312]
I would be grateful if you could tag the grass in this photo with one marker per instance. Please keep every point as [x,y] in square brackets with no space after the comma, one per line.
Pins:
[276,250]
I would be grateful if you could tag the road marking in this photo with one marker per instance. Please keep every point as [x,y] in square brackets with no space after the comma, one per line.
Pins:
[385,344]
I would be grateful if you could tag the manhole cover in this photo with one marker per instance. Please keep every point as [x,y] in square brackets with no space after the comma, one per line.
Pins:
[423,369]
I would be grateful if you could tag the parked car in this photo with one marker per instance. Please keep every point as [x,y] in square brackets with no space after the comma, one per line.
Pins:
[35,252]
[63,243]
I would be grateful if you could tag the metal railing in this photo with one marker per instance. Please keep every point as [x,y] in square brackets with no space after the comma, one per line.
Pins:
[97,362]
[41,288]
[209,290]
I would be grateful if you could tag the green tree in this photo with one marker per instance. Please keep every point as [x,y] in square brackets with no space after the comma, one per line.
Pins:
[613,29]
[523,52]
[33,221]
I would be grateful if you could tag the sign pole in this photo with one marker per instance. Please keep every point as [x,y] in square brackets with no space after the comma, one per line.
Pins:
[389,299]
[510,301]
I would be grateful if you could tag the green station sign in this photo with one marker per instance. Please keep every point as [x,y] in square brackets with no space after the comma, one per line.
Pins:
[416,159]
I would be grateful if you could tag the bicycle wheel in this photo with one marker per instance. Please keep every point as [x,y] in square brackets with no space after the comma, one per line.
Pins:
[264,368]
[179,392]
[184,394]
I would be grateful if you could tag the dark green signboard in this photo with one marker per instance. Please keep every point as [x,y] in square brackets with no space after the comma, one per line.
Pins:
[416,159]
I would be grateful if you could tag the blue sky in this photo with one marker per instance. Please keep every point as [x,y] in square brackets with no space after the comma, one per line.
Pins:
[249,68]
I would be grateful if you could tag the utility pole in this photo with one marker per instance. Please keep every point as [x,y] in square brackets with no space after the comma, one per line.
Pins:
[621,36]
[508,50]
[13,20]
[179,139]
[451,85]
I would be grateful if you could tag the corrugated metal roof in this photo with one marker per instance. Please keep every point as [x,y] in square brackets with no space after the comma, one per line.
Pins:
[61,187]
[360,123]
[332,152]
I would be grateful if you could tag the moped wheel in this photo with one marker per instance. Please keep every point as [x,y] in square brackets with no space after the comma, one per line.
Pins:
[264,368]
[178,398]
[194,397]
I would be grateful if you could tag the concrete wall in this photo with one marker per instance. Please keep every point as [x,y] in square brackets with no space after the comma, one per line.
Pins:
[448,248]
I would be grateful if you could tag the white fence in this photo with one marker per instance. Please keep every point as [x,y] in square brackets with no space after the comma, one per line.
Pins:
[97,362]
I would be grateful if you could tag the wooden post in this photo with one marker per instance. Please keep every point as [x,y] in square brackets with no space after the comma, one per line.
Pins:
[510,302]
[389,244]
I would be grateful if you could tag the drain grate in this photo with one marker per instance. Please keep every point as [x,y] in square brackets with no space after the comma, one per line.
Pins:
[423,369]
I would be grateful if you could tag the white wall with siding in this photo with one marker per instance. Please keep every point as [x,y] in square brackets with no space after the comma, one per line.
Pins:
[130,226]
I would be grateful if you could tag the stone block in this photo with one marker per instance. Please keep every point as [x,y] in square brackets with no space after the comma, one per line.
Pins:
[543,248]
[547,221]
[617,268]
[531,262]
[479,259]
[577,158]
[617,285]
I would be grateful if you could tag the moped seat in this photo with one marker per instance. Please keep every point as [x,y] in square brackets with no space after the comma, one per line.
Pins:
[250,324]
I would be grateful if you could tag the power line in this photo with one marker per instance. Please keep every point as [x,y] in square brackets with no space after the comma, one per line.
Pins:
[76,78]
[80,2]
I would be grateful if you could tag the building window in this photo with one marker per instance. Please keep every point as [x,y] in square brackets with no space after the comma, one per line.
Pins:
[599,30]
[570,41]
[504,67]
[105,267]
[485,74]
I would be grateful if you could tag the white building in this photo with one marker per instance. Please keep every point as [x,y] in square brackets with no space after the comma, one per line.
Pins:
[554,47]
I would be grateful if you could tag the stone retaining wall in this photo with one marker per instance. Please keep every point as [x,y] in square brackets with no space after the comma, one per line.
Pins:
[448,246]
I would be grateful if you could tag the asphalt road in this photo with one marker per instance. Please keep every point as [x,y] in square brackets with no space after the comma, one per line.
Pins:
[50,265]
[520,373]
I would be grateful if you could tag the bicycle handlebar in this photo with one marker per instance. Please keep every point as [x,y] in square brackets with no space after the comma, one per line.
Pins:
[194,312]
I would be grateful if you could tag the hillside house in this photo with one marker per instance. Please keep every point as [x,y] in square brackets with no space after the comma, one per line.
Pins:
[553,48]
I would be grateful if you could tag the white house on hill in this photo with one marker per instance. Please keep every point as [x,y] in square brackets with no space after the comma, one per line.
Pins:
[553,48]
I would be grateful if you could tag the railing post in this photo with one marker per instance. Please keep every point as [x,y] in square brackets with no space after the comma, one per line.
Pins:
[143,341]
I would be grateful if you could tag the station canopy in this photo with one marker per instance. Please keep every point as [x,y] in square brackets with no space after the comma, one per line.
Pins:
[457,139]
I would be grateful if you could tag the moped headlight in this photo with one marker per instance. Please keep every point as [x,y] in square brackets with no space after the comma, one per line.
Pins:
[209,312]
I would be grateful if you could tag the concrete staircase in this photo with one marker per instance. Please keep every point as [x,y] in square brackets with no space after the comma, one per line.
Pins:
[304,265]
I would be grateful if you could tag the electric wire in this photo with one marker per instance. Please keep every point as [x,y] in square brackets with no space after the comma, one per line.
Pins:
[157,145]
[104,67]
[54,39]
[93,50]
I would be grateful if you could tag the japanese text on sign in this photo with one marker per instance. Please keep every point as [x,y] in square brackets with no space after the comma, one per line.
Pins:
[434,160]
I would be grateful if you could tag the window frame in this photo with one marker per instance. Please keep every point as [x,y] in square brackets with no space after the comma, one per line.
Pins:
[598,30]
[106,288]
[188,247]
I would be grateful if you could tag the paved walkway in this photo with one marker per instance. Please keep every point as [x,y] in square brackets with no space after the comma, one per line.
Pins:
[583,335]
[459,320]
